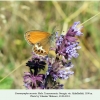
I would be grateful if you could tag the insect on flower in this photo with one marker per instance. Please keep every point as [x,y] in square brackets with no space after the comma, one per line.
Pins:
[40,40]
[58,66]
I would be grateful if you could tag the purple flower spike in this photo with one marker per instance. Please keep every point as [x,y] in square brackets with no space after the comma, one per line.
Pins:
[64,75]
[74,30]
[30,81]
[67,45]
[71,50]
[58,66]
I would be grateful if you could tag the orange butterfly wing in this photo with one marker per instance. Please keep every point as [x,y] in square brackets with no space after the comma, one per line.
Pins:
[33,37]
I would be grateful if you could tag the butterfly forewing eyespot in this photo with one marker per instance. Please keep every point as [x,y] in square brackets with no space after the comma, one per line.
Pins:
[27,35]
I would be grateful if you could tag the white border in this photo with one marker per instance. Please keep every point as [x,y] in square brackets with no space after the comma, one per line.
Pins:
[25,94]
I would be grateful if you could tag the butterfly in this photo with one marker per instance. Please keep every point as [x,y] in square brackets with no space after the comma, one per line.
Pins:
[40,40]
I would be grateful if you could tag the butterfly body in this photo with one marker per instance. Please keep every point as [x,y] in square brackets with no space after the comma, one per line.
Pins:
[40,40]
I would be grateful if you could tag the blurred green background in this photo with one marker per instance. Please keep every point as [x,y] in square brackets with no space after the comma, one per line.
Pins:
[17,17]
